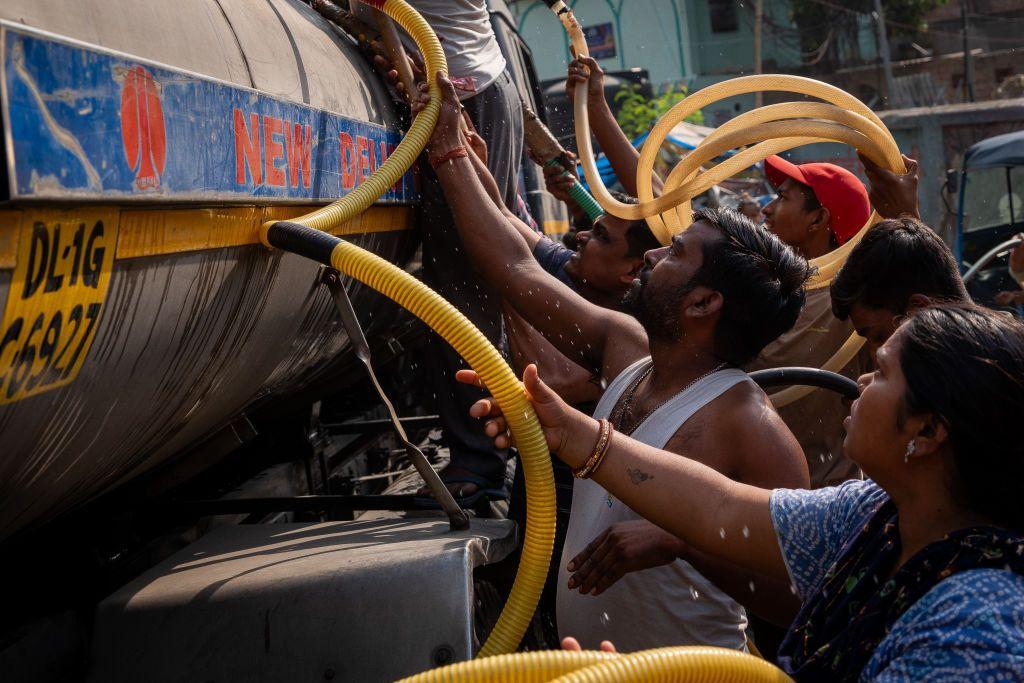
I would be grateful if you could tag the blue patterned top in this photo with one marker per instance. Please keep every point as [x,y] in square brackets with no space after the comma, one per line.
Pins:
[970,627]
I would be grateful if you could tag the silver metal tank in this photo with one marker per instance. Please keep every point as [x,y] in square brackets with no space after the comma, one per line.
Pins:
[144,143]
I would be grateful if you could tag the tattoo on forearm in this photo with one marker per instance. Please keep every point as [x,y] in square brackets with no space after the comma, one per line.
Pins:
[638,476]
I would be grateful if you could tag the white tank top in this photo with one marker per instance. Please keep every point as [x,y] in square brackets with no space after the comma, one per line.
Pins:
[668,605]
[470,47]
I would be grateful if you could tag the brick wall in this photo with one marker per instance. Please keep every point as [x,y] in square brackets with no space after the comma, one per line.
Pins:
[946,70]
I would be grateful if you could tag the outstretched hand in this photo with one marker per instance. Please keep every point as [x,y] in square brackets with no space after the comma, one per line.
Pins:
[556,180]
[567,431]
[585,70]
[622,548]
[448,131]
[570,644]
[382,60]
[892,194]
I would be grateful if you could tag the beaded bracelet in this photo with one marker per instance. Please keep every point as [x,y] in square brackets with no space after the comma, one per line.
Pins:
[604,440]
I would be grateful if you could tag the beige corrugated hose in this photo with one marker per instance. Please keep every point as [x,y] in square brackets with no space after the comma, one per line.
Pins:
[775,128]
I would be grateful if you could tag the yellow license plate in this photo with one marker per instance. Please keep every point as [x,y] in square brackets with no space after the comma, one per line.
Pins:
[55,298]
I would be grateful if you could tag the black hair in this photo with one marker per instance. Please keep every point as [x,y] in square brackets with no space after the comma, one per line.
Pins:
[896,259]
[965,364]
[639,238]
[760,278]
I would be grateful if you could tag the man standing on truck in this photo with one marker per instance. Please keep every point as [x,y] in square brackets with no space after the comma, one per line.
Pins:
[489,97]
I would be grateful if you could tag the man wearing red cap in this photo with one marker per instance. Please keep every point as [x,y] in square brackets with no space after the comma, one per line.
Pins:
[818,208]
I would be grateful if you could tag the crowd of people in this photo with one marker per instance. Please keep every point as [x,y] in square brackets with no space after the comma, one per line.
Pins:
[886,537]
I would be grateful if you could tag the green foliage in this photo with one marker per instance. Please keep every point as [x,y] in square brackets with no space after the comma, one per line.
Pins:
[638,114]
[903,17]
[839,20]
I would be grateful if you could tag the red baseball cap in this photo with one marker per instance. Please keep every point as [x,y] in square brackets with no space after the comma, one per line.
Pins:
[838,190]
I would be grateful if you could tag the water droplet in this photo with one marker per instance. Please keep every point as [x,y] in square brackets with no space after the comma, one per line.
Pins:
[693,593]
[746,531]
[604,619]
[721,532]
[751,586]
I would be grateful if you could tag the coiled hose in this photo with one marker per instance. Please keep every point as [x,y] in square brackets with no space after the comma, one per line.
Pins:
[775,128]
[302,236]
[690,664]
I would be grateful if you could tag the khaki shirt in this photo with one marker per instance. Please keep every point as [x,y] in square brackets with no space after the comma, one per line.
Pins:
[816,420]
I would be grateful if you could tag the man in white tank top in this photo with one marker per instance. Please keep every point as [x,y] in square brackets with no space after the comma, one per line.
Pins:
[703,306]
[689,609]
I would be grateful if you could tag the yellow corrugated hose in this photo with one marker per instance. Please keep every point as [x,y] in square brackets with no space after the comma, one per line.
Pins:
[404,156]
[775,128]
[521,667]
[457,331]
[302,236]
[472,345]
[690,664]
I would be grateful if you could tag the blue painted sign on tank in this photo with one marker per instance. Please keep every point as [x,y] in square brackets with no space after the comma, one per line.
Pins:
[85,122]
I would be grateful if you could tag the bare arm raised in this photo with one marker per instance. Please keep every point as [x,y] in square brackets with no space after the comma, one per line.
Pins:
[478,157]
[591,336]
[622,155]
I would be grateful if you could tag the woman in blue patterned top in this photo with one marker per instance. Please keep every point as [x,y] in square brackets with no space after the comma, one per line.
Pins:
[916,573]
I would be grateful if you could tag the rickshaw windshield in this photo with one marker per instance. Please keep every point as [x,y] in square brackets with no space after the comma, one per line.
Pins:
[993,197]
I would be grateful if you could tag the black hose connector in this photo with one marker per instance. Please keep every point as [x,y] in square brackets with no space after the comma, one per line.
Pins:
[810,377]
[298,239]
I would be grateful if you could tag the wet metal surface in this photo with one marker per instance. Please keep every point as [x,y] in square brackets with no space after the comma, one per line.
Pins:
[366,600]
[186,342]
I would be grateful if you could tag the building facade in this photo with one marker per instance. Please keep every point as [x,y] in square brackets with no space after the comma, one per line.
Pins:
[690,42]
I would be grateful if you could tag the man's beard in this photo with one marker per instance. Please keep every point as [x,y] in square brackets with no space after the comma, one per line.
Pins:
[660,316]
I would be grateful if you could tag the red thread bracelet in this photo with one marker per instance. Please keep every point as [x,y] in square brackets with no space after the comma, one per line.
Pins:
[452,154]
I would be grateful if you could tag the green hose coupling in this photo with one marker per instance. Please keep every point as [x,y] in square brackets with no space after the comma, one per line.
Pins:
[579,194]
